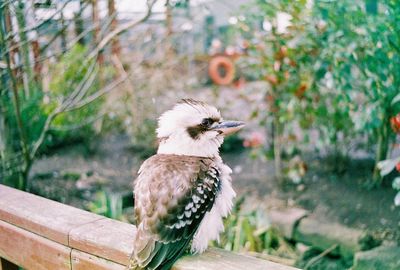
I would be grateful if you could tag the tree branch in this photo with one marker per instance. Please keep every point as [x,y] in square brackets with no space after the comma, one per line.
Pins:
[79,125]
[17,109]
[62,109]
[122,28]
[320,256]
[89,73]
[75,100]
[35,27]
[97,95]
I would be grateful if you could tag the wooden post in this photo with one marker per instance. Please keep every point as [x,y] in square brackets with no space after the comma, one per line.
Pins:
[28,82]
[8,25]
[11,82]
[169,29]
[37,66]
[4,98]
[79,23]
[33,39]
[112,13]
[96,30]
[63,34]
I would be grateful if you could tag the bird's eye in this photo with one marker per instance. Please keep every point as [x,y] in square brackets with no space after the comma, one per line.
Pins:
[207,122]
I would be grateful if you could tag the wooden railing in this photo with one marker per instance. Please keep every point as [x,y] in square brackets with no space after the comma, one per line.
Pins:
[37,233]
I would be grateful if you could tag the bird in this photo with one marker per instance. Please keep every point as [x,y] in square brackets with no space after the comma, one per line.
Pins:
[183,192]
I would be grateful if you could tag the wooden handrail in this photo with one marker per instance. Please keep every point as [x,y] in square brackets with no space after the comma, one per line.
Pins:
[37,233]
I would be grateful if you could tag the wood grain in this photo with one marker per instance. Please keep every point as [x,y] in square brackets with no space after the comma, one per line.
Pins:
[31,251]
[220,259]
[47,218]
[106,238]
[84,261]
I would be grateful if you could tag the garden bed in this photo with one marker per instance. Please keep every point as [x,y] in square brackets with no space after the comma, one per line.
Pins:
[97,179]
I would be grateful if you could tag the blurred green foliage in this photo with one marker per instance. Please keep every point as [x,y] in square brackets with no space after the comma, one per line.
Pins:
[361,50]
[106,203]
[324,263]
[284,56]
[68,74]
[332,69]
[20,136]
[232,143]
[251,231]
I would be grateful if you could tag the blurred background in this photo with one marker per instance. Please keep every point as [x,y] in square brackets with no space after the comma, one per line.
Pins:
[317,82]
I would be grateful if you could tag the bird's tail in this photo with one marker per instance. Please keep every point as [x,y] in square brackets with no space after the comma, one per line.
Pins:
[132,265]
[143,251]
[149,254]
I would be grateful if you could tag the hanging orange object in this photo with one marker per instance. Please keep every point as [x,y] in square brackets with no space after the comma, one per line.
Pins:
[221,70]
[395,123]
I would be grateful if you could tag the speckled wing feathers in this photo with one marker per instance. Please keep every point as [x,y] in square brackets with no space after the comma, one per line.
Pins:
[172,195]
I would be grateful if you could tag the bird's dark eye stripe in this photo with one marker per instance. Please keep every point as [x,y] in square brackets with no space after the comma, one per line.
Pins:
[195,131]
[207,122]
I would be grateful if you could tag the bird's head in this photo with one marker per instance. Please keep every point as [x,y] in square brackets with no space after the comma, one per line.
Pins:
[193,128]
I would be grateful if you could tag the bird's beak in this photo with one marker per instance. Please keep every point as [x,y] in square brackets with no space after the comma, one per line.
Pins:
[227,127]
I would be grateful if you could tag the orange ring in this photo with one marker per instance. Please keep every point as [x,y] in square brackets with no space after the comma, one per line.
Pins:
[221,62]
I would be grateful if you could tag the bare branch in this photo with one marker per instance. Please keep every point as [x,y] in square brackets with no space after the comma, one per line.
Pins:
[80,124]
[70,44]
[17,107]
[85,88]
[320,256]
[78,97]
[69,100]
[61,109]
[122,28]
[36,26]
[98,94]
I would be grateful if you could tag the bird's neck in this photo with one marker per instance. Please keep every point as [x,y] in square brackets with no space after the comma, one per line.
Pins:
[184,145]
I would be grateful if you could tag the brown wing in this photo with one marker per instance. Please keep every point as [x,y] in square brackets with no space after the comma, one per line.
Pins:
[172,195]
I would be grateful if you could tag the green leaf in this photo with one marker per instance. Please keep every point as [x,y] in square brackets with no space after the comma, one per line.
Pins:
[396,99]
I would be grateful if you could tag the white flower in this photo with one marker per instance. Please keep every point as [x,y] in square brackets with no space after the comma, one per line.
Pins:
[397,199]
[386,166]
[396,183]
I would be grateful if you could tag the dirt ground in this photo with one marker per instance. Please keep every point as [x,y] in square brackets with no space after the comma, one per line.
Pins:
[328,196]
[343,198]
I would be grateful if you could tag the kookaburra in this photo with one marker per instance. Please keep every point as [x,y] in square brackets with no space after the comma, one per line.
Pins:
[183,192]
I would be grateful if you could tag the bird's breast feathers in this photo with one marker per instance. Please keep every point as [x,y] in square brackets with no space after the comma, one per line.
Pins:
[183,197]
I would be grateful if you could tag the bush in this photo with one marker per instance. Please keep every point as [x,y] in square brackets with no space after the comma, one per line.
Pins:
[67,75]
[251,232]
[333,69]
[26,121]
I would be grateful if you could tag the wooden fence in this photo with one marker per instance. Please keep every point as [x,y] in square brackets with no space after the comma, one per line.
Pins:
[37,233]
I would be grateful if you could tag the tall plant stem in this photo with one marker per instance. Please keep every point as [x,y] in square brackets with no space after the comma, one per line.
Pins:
[28,78]
[382,149]
[17,111]
[277,148]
